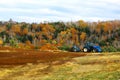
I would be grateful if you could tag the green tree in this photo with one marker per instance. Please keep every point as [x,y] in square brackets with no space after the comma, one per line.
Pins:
[13,42]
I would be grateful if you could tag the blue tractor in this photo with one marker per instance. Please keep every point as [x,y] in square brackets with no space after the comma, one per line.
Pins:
[90,47]
[75,48]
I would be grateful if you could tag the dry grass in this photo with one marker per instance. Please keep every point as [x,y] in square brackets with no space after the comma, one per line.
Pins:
[59,66]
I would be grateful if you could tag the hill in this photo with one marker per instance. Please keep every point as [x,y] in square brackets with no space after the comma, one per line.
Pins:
[60,34]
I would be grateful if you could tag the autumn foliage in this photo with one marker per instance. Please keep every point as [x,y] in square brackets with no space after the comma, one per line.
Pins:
[48,46]
[47,35]
[83,36]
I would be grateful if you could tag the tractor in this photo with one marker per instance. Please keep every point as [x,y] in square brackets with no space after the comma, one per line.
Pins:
[88,47]
[75,48]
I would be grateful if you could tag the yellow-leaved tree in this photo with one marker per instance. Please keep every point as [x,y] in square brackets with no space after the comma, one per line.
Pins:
[1,42]
[83,36]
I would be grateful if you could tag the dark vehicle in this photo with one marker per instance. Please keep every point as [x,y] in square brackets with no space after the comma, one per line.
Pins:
[90,47]
[75,48]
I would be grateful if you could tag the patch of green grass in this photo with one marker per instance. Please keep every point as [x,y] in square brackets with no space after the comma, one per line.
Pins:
[114,75]
[92,75]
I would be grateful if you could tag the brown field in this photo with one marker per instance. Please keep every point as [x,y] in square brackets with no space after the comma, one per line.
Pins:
[32,56]
[18,64]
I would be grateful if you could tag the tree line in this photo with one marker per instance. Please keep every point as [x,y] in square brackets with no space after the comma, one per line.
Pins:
[59,34]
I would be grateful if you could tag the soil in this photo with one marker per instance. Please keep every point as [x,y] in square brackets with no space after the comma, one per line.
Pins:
[18,57]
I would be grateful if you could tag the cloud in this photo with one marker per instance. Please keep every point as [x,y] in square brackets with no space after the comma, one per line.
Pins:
[55,10]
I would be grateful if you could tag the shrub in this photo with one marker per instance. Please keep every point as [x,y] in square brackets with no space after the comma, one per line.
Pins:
[21,45]
[37,47]
[118,49]
[13,42]
[102,43]
[1,42]
[49,46]
[109,49]
[64,47]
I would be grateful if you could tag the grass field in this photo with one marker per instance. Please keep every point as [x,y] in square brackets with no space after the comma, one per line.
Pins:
[37,65]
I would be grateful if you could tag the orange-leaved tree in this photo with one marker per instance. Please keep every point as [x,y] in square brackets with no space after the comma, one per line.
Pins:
[83,36]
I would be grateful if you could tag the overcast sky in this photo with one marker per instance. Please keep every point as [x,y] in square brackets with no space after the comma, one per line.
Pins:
[59,10]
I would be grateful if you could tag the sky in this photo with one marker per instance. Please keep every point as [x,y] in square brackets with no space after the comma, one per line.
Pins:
[59,10]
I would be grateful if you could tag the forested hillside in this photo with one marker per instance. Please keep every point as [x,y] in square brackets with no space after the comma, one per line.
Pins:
[52,35]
